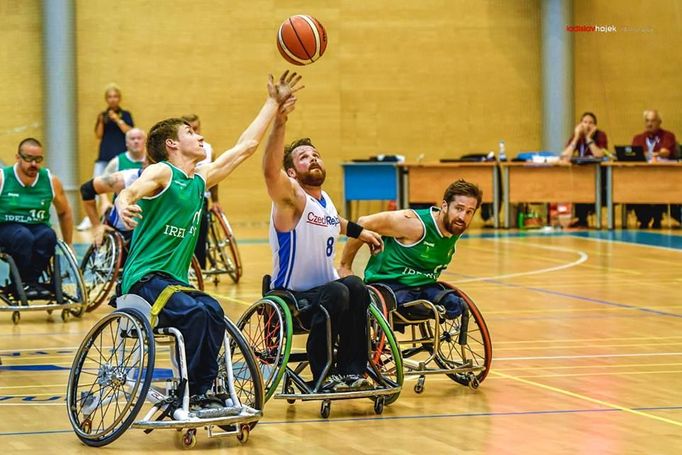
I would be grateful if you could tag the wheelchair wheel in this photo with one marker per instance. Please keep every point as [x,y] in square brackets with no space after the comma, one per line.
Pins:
[69,285]
[268,328]
[385,362]
[246,377]
[110,377]
[196,279]
[222,253]
[101,267]
[477,350]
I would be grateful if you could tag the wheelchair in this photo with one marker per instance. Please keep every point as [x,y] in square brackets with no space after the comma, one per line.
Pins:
[62,284]
[459,348]
[222,253]
[101,268]
[116,370]
[270,324]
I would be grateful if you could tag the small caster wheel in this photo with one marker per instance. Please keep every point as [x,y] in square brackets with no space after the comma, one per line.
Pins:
[65,315]
[379,405]
[16,316]
[189,440]
[49,312]
[474,382]
[325,409]
[243,435]
[290,391]
[419,386]
[86,426]
[216,280]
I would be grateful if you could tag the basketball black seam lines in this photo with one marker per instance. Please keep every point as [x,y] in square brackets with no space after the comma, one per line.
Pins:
[310,57]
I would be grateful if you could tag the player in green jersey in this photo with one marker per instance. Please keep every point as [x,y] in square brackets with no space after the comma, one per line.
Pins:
[26,192]
[418,246]
[164,206]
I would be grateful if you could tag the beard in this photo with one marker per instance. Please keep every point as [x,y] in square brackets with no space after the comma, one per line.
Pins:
[312,178]
[454,227]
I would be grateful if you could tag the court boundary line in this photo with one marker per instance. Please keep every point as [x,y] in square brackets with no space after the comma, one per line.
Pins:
[588,399]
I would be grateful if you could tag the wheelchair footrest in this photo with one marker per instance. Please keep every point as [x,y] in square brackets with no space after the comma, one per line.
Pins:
[246,415]
[369,393]
[217,412]
[414,367]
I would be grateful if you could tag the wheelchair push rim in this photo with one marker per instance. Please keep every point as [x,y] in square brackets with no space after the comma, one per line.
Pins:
[101,267]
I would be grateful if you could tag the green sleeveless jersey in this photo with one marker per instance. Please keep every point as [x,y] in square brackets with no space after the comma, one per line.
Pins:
[417,264]
[164,239]
[124,162]
[25,204]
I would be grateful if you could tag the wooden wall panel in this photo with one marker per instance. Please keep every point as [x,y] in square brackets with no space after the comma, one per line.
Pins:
[21,92]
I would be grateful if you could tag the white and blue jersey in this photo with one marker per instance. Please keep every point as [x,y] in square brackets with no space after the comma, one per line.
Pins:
[303,258]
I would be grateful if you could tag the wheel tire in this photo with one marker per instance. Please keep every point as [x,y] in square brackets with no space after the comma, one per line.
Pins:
[129,324]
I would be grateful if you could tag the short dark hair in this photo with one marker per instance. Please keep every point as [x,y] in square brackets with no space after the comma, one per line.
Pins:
[156,142]
[463,188]
[30,141]
[594,117]
[288,160]
[189,118]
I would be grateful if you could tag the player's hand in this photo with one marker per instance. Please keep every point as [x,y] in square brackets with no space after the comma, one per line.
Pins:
[130,214]
[285,87]
[578,130]
[345,271]
[216,204]
[371,238]
[98,234]
[286,108]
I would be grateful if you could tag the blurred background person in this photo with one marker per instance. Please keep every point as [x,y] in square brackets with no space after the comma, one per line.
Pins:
[111,126]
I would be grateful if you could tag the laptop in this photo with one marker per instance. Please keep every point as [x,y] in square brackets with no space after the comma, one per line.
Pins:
[630,153]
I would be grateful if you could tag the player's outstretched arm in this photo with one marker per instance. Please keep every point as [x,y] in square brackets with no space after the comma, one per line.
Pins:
[153,180]
[278,93]
[286,194]
[401,224]
[112,183]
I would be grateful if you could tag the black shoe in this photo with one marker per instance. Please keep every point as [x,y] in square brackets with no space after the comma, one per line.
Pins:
[334,383]
[357,382]
[202,401]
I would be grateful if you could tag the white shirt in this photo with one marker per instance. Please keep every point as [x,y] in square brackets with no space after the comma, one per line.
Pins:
[303,258]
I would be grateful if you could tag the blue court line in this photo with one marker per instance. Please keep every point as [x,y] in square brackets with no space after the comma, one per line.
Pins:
[414,417]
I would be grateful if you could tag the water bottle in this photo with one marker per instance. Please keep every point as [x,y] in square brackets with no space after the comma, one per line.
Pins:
[649,155]
[503,153]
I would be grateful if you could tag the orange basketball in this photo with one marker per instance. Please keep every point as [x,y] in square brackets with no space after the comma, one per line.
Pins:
[301,39]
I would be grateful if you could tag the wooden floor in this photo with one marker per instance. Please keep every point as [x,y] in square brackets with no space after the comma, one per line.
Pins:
[587,341]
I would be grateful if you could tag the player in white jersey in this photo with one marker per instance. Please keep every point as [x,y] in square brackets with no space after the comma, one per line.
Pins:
[304,229]
[108,183]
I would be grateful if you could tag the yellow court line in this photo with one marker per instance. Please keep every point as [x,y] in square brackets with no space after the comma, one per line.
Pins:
[537,348]
[595,366]
[232,299]
[42,386]
[590,339]
[613,373]
[565,310]
[588,399]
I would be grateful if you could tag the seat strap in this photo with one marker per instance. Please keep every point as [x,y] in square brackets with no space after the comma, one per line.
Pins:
[163,299]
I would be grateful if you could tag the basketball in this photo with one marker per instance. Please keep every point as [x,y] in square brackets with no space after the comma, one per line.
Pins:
[301,39]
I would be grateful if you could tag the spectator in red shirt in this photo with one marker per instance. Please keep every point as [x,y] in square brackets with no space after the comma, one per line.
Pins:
[586,141]
[659,143]
[654,138]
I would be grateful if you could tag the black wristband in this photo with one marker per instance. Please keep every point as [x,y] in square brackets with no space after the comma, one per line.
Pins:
[353,230]
[88,192]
